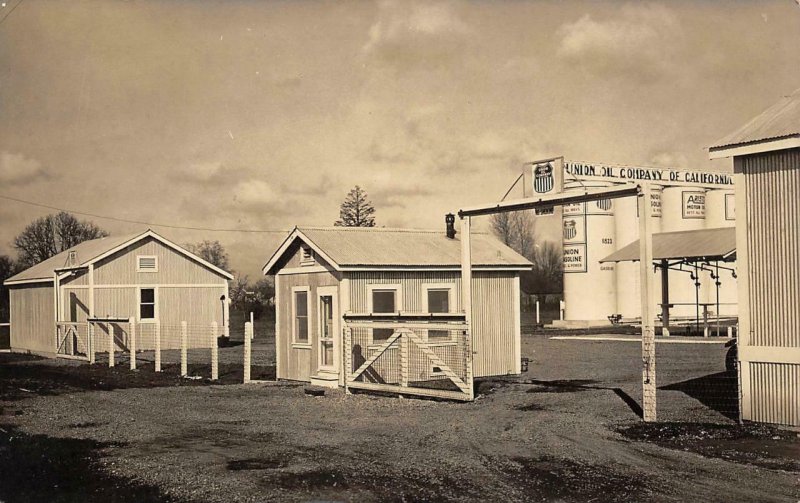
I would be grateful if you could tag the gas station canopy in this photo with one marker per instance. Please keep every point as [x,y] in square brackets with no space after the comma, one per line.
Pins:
[702,244]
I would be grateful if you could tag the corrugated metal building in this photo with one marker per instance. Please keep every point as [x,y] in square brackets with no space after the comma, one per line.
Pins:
[323,273]
[766,161]
[143,276]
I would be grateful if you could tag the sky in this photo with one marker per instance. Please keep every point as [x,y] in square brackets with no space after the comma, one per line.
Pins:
[262,115]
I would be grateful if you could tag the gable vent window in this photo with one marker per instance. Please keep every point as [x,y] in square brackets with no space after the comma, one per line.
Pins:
[146,263]
[306,256]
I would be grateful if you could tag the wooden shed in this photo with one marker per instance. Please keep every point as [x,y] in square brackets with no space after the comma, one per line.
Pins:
[142,276]
[766,163]
[326,278]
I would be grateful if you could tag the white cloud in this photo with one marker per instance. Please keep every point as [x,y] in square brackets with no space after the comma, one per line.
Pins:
[415,34]
[16,169]
[642,41]
[202,172]
[255,194]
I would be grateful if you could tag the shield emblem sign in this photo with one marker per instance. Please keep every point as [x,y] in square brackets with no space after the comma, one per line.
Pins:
[569,230]
[543,178]
[604,204]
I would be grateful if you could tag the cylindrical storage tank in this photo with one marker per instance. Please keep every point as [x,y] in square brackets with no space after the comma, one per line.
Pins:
[720,212]
[683,209]
[588,236]
[720,208]
[626,212]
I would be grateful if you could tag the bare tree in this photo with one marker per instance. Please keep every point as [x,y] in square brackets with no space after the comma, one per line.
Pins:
[548,267]
[356,210]
[517,230]
[7,269]
[210,251]
[52,234]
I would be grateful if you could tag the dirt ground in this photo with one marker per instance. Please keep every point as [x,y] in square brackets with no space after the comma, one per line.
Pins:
[567,430]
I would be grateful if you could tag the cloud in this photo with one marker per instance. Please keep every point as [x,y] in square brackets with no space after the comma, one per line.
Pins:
[16,169]
[643,42]
[202,173]
[411,34]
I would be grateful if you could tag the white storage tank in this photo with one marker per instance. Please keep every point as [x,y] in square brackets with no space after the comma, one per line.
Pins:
[721,212]
[683,209]
[588,236]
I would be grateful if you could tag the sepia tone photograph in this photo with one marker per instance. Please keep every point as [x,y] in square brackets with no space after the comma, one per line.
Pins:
[399,251]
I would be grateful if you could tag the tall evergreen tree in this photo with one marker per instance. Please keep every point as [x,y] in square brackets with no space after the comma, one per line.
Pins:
[356,210]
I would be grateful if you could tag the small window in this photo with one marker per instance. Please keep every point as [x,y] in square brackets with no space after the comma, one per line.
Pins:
[306,255]
[383,301]
[438,302]
[147,304]
[301,317]
[146,263]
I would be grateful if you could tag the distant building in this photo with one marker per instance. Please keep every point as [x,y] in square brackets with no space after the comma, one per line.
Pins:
[766,163]
[143,276]
[324,274]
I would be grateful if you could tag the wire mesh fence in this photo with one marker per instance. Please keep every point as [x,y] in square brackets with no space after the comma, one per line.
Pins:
[190,350]
[422,358]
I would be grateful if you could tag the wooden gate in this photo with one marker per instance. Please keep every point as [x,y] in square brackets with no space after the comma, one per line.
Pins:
[72,340]
[409,356]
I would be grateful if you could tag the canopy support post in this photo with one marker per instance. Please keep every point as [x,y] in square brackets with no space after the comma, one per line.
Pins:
[647,303]
[664,297]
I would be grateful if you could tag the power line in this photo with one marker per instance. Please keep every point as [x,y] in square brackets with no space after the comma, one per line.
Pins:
[151,224]
[10,11]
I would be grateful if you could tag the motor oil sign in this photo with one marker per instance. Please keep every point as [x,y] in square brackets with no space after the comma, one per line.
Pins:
[694,204]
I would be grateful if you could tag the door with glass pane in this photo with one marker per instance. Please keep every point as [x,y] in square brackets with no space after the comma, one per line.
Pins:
[327,329]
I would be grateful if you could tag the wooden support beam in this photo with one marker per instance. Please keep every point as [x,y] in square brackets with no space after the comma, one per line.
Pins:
[647,304]
[391,340]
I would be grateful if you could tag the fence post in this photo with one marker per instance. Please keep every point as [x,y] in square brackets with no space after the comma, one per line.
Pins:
[348,357]
[561,307]
[403,359]
[214,352]
[248,331]
[90,337]
[538,320]
[184,348]
[132,323]
[157,337]
[110,344]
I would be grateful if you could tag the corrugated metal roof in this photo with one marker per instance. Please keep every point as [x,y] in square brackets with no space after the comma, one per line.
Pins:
[711,244]
[363,246]
[85,251]
[781,120]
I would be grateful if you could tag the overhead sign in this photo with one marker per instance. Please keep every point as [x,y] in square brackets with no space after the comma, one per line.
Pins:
[593,171]
[544,177]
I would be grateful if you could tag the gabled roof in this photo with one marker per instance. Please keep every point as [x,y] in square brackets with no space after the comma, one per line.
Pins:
[779,122]
[360,248]
[91,251]
[703,244]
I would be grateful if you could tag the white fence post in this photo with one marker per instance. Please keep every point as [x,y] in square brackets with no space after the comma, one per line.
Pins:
[214,352]
[110,344]
[132,330]
[348,358]
[248,331]
[157,336]
[90,337]
[184,348]
[561,307]
[404,370]
[538,319]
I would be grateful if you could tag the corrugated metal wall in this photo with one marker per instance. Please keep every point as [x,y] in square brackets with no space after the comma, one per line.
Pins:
[494,333]
[775,392]
[173,267]
[772,183]
[32,318]
[771,382]
[296,362]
